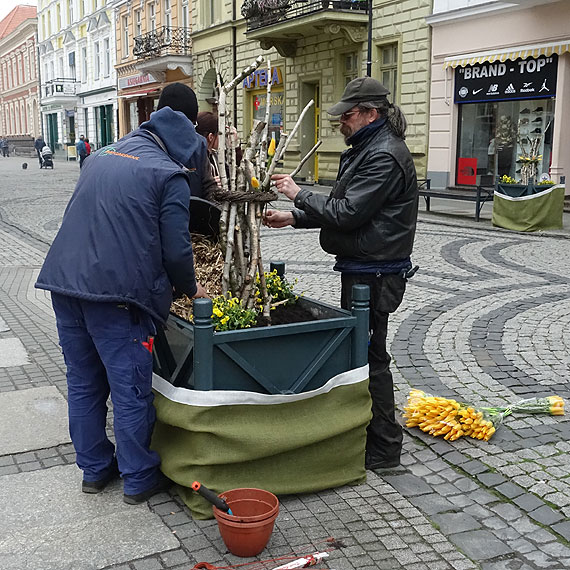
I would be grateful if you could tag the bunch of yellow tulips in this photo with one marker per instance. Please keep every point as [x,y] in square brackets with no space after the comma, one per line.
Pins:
[444,416]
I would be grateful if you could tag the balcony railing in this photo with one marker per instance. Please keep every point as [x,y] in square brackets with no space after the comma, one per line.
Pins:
[163,41]
[60,87]
[286,10]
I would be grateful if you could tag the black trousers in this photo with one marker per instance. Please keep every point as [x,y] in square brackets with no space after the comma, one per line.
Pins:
[384,433]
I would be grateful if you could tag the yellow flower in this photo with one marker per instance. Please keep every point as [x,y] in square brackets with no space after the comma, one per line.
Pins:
[225,320]
[217,312]
[271,149]
[254,182]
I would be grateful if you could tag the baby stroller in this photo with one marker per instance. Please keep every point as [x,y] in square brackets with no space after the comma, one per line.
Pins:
[47,157]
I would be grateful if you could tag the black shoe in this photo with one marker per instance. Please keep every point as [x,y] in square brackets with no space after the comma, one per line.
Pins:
[538,110]
[537,130]
[372,463]
[538,120]
[524,121]
[164,483]
[93,487]
[525,111]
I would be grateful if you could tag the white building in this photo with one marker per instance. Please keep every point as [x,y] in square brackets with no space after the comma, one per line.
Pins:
[77,69]
[500,88]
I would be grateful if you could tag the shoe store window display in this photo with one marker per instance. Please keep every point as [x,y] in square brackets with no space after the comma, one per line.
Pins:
[499,133]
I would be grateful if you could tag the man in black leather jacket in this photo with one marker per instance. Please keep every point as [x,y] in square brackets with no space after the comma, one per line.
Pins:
[368,222]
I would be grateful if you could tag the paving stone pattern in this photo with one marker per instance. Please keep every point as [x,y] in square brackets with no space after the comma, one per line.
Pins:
[485,320]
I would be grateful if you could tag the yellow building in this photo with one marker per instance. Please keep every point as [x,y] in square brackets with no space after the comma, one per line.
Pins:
[315,48]
[153,50]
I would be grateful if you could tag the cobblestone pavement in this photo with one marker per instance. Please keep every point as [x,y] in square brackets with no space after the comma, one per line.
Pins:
[485,320]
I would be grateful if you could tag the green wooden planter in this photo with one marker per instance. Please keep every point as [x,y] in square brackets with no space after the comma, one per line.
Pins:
[279,359]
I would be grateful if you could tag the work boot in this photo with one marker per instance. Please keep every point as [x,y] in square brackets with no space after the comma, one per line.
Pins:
[93,487]
[164,483]
[373,463]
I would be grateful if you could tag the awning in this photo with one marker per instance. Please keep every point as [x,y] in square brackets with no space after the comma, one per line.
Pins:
[139,93]
[510,53]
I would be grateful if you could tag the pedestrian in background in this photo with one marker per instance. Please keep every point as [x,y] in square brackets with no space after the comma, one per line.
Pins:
[87,147]
[4,147]
[368,222]
[81,150]
[39,144]
[122,248]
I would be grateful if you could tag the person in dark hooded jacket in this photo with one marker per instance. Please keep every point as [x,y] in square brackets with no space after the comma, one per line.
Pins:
[122,248]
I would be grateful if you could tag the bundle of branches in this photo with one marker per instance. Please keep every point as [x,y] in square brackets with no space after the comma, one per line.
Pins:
[245,191]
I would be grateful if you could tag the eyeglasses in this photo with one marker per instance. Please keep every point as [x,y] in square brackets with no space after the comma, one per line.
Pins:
[346,115]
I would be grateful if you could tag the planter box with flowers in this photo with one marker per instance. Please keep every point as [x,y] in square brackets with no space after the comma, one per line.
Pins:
[528,207]
[240,408]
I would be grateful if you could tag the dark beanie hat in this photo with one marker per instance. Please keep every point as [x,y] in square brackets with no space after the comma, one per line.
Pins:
[179,97]
[207,123]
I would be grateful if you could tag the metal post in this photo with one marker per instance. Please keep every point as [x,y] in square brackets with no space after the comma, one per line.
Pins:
[203,345]
[279,266]
[360,310]
[369,55]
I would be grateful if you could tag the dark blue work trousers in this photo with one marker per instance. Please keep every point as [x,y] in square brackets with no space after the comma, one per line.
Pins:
[101,344]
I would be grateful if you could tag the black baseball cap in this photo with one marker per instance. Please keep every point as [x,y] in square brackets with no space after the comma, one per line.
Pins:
[359,90]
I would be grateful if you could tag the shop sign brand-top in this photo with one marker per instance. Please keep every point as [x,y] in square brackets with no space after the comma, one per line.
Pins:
[530,78]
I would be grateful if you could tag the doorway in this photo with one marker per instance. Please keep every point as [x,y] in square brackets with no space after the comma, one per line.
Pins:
[310,130]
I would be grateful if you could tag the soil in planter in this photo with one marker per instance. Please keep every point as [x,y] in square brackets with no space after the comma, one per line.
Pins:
[287,314]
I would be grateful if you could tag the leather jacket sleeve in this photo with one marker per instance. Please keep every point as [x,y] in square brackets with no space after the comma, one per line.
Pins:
[353,203]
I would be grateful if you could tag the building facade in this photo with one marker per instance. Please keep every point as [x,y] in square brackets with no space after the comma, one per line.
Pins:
[154,48]
[19,104]
[77,69]
[500,89]
[315,48]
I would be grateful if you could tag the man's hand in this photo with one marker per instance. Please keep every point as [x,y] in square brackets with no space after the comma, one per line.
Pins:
[201,292]
[278,219]
[285,185]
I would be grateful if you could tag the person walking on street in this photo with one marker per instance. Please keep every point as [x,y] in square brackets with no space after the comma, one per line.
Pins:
[369,223]
[87,147]
[122,250]
[4,147]
[39,144]
[81,150]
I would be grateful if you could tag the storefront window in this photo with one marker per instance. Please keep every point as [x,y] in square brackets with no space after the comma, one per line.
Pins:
[259,102]
[497,134]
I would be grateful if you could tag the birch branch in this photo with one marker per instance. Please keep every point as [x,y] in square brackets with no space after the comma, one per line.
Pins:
[305,158]
[267,179]
[244,73]
[294,131]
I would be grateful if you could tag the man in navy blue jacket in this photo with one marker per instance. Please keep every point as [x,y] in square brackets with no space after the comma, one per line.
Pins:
[122,248]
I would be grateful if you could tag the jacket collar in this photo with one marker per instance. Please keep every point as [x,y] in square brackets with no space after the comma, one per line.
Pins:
[365,132]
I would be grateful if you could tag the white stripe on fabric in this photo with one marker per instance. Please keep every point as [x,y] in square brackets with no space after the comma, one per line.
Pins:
[531,197]
[208,398]
[502,55]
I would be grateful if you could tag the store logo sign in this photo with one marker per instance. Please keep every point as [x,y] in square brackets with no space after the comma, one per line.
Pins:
[530,78]
[260,78]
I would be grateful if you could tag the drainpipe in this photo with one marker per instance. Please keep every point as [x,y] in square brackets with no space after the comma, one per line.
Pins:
[234,55]
[369,55]
[38,68]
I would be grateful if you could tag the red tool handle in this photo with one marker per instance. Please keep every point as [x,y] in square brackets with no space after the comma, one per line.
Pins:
[210,496]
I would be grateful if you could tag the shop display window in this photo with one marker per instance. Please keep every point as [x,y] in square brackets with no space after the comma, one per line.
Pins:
[498,133]
[258,103]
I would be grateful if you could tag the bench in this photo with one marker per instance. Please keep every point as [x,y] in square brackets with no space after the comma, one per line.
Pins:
[478,194]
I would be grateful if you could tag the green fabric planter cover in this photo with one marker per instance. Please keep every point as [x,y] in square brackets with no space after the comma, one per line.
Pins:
[286,444]
[529,213]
